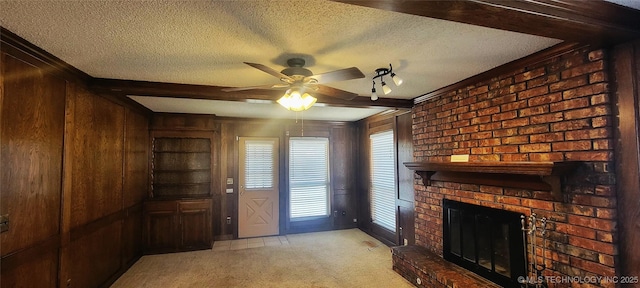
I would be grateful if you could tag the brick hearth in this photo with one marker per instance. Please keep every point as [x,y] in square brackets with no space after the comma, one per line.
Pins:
[415,262]
[557,110]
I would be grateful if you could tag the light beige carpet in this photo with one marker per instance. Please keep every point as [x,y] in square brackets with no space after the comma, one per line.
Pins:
[344,258]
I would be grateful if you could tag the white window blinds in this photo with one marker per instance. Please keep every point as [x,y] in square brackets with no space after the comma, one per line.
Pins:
[259,164]
[308,177]
[383,195]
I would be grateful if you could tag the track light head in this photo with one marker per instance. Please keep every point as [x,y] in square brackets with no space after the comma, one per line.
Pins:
[396,80]
[385,88]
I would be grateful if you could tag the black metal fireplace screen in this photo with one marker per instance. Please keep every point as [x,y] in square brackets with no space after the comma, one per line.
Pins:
[484,240]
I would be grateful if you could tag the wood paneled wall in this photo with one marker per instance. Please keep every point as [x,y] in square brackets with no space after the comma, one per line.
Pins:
[31,171]
[626,71]
[73,174]
[342,144]
[342,152]
[94,149]
[400,123]
[136,171]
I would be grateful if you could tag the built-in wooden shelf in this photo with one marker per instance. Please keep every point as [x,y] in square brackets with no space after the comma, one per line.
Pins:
[540,176]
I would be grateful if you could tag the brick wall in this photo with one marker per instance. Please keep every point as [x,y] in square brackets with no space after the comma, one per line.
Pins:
[558,110]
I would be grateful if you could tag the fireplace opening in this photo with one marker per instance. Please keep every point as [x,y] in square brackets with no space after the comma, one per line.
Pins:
[484,240]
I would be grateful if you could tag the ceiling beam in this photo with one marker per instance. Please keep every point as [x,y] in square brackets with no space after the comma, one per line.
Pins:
[595,22]
[124,88]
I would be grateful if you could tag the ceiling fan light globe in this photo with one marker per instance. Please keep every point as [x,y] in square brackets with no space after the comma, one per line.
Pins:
[295,95]
[285,101]
[308,101]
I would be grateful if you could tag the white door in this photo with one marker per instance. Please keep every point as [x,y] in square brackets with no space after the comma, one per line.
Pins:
[258,203]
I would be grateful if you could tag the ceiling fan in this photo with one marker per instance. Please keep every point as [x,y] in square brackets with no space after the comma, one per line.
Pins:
[300,80]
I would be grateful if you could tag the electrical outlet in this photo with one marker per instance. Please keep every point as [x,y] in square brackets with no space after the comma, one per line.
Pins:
[355,220]
[406,242]
[228,219]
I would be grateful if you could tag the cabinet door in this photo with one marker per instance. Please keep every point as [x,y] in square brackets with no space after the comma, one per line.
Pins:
[195,228]
[160,226]
[160,231]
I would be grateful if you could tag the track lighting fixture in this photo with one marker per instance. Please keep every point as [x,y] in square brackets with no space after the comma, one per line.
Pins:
[380,72]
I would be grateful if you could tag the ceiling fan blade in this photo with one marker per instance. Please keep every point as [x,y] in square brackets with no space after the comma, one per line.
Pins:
[269,86]
[337,75]
[337,93]
[270,71]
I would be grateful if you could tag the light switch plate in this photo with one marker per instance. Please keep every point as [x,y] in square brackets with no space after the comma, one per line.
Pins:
[229,181]
[229,190]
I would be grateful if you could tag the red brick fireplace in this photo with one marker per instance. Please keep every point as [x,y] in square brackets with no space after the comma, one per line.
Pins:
[557,110]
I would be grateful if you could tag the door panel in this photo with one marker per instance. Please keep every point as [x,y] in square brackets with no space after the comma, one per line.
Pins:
[258,200]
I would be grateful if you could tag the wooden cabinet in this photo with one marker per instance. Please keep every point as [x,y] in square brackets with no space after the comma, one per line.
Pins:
[177,225]
[178,215]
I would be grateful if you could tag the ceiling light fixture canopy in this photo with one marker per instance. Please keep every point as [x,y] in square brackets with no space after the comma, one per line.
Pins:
[296,99]
[380,72]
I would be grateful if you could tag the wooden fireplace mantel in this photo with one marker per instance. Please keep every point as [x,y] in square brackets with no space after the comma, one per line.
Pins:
[541,176]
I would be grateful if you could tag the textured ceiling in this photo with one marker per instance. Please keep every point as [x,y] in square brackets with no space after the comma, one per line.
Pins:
[205,42]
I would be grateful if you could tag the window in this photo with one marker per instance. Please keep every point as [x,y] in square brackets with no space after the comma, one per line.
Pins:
[383,195]
[308,177]
[258,164]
